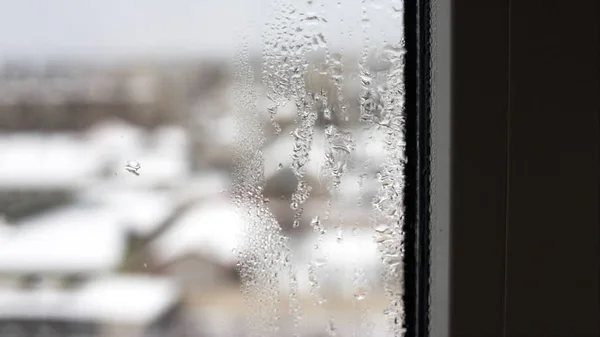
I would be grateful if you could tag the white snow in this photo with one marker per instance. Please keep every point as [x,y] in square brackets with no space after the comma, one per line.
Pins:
[6,230]
[163,154]
[21,303]
[125,299]
[38,161]
[132,299]
[157,169]
[211,229]
[140,211]
[69,160]
[115,139]
[67,240]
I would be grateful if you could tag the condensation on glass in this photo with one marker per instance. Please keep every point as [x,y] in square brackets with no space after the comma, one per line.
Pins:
[329,81]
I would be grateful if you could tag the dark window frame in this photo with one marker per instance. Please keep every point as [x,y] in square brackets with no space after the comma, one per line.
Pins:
[515,194]
[417,86]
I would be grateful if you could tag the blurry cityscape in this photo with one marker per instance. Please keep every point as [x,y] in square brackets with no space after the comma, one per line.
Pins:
[115,202]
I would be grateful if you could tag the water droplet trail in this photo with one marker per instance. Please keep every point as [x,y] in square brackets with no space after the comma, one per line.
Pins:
[133,166]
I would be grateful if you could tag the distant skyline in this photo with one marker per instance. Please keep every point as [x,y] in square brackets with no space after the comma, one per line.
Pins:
[112,29]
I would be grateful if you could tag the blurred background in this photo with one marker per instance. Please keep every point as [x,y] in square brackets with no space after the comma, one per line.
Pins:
[118,147]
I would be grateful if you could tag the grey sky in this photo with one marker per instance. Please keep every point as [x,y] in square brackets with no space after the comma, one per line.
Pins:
[111,28]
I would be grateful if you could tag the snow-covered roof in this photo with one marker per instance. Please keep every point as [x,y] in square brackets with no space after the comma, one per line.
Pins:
[114,139]
[163,155]
[141,211]
[6,231]
[71,161]
[157,169]
[71,239]
[133,299]
[127,299]
[211,229]
[42,161]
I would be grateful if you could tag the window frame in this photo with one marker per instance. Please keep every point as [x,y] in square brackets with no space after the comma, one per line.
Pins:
[524,158]
[417,84]
[441,58]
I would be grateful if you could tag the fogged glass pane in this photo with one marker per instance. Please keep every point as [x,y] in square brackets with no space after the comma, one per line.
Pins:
[194,168]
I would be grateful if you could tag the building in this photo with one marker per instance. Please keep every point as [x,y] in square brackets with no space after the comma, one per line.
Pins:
[39,172]
[75,98]
[125,305]
[55,247]
[58,277]
[198,247]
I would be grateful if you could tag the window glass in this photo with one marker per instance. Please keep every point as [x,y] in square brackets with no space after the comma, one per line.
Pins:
[224,168]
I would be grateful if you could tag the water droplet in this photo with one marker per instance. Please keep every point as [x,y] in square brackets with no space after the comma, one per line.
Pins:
[319,262]
[382,228]
[279,167]
[312,19]
[317,226]
[340,236]
[327,113]
[382,238]
[331,328]
[133,167]
[145,265]
[359,296]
